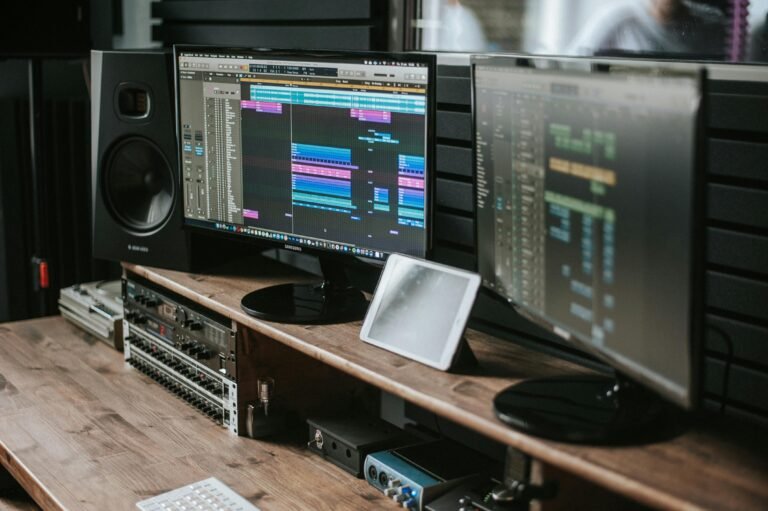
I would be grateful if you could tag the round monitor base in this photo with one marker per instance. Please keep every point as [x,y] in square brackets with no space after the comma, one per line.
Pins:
[306,303]
[582,409]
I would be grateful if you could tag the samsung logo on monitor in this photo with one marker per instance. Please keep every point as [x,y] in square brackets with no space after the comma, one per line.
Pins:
[293,247]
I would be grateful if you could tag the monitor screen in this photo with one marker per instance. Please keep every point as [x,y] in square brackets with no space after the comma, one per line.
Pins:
[585,200]
[320,151]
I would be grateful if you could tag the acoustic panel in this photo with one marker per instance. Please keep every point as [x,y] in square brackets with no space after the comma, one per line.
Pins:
[283,36]
[454,160]
[738,159]
[738,205]
[750,341]
[263,10]
[737,250]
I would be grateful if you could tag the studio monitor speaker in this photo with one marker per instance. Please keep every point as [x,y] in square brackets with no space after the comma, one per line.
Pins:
[136,197]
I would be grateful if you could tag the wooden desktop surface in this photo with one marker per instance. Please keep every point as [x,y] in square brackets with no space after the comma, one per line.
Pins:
[711,466]
[81,430]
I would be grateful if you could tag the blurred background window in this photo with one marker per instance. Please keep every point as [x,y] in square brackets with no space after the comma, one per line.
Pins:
[725,30]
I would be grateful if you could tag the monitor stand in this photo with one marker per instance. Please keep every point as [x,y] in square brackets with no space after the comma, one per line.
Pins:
[333,300]
[582,409]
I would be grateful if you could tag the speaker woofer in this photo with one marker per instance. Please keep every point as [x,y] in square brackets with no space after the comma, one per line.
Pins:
[138,184]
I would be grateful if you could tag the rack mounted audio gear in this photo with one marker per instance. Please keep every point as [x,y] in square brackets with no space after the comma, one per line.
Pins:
[191,351]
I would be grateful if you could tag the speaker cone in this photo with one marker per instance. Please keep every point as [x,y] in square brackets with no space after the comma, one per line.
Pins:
[138,184]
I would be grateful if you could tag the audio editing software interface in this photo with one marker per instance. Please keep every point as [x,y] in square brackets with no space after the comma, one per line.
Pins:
[574,176]
[309,153]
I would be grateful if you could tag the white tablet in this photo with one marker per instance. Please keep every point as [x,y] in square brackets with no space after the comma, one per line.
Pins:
[420,309]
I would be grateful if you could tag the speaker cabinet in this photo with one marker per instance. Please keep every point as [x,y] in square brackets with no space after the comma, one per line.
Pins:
[136,198]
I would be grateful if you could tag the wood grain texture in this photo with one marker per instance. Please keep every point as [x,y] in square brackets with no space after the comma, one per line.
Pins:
[81,430]
[711,466]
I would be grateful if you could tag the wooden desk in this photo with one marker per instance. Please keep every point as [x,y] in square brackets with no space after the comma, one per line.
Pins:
[711,466]
[82,431]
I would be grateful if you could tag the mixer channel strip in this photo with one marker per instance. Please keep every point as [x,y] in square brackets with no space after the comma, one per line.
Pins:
[196,384]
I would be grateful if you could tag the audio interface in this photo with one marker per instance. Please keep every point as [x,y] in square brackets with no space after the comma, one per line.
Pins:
[414,475]
[346,440]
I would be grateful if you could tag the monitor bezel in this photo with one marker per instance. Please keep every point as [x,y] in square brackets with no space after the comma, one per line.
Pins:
[697,289]
[341,56]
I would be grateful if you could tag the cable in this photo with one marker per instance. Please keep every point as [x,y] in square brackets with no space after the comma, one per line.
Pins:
[86,75]
[436,420]
[727,369]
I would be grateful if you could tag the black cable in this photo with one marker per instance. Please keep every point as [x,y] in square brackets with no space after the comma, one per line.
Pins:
[727,369]
[85,64]
[436,420]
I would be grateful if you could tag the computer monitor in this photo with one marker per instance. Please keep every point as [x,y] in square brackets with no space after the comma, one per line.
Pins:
[586,198]
[329,153]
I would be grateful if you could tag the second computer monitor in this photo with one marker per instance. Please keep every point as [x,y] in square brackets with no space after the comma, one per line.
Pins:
[585,184]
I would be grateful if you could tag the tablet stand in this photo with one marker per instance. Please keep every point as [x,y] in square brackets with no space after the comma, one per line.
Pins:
[464,358]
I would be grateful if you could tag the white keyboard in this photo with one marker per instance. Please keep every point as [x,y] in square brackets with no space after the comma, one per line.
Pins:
[206,495]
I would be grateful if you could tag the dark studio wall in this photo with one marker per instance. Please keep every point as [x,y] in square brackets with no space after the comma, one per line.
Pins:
[45,212]
[60,208]
[318,24]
